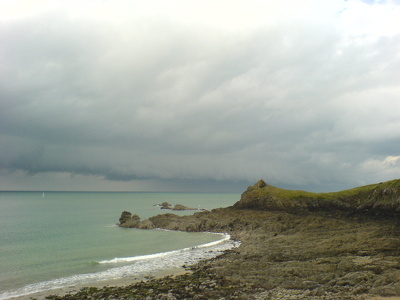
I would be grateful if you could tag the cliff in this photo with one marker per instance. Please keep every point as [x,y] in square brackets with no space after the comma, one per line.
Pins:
[382,199]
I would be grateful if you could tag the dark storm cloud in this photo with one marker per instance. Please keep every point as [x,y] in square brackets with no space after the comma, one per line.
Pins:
[299,103]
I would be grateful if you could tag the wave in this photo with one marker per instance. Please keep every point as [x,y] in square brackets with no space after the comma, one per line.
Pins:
[225,238]
[136,266]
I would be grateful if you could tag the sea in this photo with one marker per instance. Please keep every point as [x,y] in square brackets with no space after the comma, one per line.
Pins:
[51,240]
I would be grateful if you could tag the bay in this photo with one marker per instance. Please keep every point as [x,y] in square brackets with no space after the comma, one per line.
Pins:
[52,239]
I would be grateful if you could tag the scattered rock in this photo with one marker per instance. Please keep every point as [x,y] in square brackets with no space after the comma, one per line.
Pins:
[182,207]
[125,216]
[128,220]
[165,205]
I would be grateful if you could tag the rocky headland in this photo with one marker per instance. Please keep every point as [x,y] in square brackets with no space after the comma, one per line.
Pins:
[382,200]
[294,245]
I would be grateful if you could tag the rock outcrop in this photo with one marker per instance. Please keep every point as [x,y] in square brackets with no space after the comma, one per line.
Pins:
[183,207]
[128,220]
[216,220]
[166,205]
[125,216]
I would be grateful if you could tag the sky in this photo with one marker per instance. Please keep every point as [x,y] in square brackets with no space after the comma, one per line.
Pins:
[211,95]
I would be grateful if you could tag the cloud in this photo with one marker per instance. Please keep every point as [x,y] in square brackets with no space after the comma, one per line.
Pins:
[389,163]
[389,166]
[300,95]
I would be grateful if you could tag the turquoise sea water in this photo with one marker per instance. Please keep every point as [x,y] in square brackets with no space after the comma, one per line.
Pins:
[61,239]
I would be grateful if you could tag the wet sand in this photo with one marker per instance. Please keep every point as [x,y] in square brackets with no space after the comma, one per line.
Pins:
[114,282]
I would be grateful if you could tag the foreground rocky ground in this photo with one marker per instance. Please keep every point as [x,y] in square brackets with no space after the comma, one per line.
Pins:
[299,254]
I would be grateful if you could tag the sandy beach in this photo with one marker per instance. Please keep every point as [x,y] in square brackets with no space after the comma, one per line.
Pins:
[120,282]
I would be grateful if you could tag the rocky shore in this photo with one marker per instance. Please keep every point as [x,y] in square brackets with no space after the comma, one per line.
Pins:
[294,245]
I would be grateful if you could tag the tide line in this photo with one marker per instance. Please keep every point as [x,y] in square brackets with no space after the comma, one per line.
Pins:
[116,260]
[141,265]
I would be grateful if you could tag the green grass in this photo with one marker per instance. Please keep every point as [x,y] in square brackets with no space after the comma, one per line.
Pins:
[380,196]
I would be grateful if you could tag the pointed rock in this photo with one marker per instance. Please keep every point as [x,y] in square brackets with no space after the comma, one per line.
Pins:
[261,184]
[125,216]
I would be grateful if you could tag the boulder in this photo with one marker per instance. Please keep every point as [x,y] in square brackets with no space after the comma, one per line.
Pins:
[128,220]
[125,216]
[165,205]
[182,207]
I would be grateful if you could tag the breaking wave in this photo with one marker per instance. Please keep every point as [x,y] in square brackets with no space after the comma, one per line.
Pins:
[167,255]
[135,266]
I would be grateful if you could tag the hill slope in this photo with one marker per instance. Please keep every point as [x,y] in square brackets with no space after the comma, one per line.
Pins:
[382,199]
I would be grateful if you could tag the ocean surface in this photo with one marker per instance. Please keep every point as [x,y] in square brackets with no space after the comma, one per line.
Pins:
[57,239]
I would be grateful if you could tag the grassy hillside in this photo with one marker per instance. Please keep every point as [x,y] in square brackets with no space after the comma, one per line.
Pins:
[381,199]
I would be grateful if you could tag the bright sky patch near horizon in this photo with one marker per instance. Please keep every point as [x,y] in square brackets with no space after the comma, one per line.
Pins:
[186,95]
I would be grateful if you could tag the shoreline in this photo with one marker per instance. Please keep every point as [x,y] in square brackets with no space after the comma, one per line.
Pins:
[171,263]
[119,282]
[281,256]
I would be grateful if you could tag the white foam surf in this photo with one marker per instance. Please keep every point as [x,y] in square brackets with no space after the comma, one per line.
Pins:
[136,266]
[116,260]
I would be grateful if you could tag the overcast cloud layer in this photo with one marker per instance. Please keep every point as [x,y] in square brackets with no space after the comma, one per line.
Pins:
[198,95]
